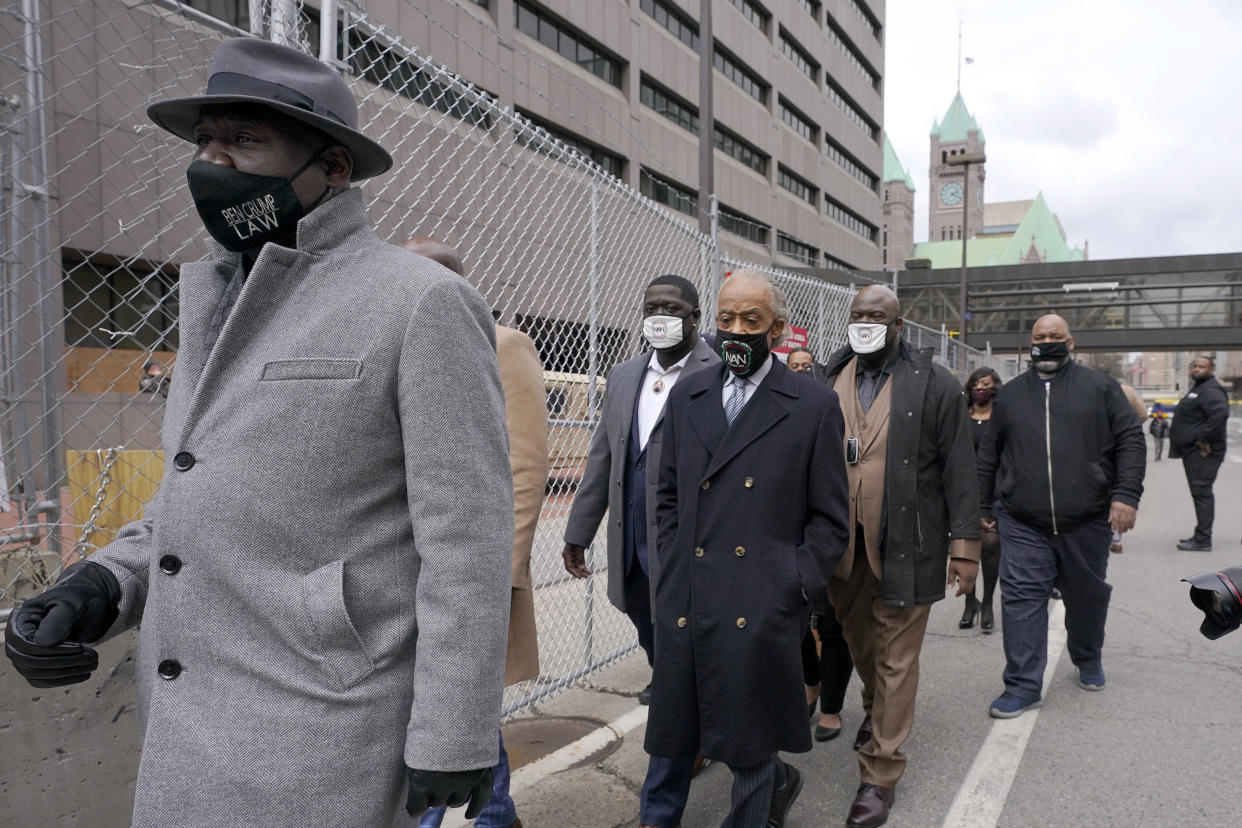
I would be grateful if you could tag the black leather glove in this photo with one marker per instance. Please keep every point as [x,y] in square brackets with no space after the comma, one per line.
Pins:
[452,789]
[43,637]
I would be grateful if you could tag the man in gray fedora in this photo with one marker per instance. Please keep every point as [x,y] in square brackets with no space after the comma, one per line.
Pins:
[323,578]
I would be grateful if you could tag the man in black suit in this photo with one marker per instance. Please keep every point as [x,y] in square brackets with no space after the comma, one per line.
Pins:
[621,477]
[752,514]
[1198,437]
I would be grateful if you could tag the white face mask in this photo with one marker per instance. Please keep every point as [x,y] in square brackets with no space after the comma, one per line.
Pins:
[866,337]
[663,332]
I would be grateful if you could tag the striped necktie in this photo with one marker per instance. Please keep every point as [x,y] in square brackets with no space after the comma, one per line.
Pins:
[737,396]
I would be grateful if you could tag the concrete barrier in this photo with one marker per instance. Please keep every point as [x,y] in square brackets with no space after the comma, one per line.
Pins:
[69,755]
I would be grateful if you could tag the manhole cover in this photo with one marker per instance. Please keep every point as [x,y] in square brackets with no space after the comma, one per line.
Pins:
[528,740]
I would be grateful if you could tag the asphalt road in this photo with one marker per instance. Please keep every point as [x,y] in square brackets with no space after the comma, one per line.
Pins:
[1159,746]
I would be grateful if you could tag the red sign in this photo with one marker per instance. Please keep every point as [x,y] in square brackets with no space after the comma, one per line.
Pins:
[796,339]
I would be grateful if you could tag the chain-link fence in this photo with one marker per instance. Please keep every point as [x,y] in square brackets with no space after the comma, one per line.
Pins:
[96,221]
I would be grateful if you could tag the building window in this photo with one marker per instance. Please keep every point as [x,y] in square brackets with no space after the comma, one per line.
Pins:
[811,7]
[104,295]
[669,105]
[797,185]
[862,11]
[741,150]
[673,19]
[664,191]
[849,220]
[852,56]
[744,226]
[857,118]
[610,162]
[383,65]
[753,12]
[733,69]
[562,345]
[234,12]
[796,121]
[848,163]
[568,42]
[793,248]
[798,56]
[837,264]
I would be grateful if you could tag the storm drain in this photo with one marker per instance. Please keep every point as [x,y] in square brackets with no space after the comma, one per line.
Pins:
[528,740]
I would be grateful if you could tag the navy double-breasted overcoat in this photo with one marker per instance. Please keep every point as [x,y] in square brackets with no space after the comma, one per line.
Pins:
[752,519]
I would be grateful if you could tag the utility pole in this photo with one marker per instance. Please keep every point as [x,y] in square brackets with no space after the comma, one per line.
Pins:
[707,121]
[964,160]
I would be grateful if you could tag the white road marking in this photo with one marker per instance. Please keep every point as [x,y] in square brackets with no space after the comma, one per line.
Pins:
[1235,458]
[561,759]
[981,798]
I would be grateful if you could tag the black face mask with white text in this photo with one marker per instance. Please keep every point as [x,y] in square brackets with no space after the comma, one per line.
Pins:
[743,354]
[243,211]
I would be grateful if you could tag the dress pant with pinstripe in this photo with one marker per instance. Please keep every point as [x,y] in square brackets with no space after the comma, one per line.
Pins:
[751,797]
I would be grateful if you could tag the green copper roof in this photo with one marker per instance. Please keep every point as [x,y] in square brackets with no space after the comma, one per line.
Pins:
[956,123]
[893,170]
[1038,227]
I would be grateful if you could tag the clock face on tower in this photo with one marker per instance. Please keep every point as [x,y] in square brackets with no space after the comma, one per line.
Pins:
[951,193]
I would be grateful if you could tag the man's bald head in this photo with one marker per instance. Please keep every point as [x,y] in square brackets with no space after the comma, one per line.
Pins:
[878,296]
[438,252]
[1051,327]
[875,305]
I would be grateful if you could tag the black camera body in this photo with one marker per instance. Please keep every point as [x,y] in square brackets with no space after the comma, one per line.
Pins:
[1219,596]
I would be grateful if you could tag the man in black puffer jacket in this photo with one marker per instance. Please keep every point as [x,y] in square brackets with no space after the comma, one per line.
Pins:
[1061,469]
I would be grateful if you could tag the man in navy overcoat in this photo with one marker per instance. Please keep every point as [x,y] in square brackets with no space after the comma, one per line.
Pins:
[752,517]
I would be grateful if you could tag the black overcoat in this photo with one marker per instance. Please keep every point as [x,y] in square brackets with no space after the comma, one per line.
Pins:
[752,519]
[931,486]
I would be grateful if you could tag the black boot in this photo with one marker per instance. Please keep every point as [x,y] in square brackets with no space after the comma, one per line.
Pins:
[968,615]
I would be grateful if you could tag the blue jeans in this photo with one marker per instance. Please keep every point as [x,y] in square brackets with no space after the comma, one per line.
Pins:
[1033,561]
[499,812]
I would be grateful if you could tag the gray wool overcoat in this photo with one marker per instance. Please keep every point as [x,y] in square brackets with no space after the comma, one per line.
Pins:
[323,578]
[603,483]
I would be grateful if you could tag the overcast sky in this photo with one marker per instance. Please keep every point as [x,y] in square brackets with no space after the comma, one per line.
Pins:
[1127,114]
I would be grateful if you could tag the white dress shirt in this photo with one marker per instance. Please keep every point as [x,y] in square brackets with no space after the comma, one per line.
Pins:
[650,401]
[752,382]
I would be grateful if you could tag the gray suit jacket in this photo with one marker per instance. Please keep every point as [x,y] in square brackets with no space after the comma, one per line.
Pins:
[323,578]
[603,482]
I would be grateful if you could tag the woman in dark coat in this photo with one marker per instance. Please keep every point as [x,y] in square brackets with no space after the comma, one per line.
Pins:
[981,388]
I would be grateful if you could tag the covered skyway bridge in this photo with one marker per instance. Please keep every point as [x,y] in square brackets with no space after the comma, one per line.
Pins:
[1173,303]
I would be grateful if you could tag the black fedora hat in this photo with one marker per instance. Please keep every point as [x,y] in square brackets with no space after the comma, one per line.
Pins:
[248,70]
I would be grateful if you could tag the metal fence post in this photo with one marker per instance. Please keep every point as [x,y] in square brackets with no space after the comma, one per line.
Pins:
[12,368]
[593,373]
[43,266]
[283,27]
[327,31]
[714,283]
[944,342]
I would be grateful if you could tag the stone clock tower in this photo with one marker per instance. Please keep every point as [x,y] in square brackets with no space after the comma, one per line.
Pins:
[956,133]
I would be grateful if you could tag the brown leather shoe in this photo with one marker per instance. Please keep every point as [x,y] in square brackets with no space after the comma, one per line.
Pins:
[864,734]
[700,762]
[870,807]
[517,823]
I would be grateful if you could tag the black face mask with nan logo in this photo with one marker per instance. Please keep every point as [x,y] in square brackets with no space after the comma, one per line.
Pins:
[743,354]
[243,211]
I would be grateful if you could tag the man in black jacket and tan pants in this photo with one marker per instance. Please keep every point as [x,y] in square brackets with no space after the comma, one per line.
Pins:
[1060,471]
[914,524]
[1198,437]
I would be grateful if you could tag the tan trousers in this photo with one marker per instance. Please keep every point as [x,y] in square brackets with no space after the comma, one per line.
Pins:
[885,643]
